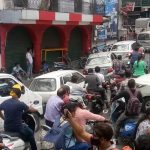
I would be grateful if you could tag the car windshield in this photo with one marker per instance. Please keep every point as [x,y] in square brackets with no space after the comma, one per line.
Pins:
[43,85]
[99,60]
[123,47]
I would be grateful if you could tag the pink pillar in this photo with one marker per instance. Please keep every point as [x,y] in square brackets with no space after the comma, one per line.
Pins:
[3,36]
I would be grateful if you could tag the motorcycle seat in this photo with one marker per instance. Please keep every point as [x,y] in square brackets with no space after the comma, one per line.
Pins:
[10,135]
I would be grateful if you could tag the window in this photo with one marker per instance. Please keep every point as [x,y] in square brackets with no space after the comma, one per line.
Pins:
[80,77]
[67,78]
[144,37]
[6,86]
[61,81]
[43,85]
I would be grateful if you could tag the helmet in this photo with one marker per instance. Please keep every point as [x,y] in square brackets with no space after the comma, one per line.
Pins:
[16,91]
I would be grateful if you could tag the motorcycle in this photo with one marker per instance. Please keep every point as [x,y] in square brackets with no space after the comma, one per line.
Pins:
[94,102]
[13,141]
[128,127]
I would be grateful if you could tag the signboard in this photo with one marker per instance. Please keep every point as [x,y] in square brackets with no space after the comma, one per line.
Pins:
[99,7]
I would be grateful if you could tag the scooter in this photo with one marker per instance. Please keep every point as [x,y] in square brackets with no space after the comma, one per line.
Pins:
[13,141]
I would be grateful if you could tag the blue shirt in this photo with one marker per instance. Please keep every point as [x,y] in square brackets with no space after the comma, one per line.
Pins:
[53,108]
[13,110]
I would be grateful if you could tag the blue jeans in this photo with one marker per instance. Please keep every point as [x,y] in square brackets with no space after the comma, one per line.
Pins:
[29,69]
[28,135]
[80,146]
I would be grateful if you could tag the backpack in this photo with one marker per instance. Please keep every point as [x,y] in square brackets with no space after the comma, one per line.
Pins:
[57,135]
[133,106]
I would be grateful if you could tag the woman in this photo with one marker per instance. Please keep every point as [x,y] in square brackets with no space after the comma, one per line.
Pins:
[139,67]
[101,137]
[144,125]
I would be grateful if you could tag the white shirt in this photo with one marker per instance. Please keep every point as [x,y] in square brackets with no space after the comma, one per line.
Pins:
[29,57]
[100,77]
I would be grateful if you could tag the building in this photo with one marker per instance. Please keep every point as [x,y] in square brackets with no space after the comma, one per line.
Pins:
[130,10]
[50,27]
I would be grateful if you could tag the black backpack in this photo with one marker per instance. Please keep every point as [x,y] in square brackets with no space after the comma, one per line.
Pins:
[134,105]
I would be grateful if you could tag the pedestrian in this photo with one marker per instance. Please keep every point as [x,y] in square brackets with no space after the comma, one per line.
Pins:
[139,67]
[131,110]
[29,61]
[13,111]
[54,106]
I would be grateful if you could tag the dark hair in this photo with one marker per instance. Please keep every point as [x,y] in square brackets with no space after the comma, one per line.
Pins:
[90,70]
[16,63]
[119,57]
[17,91]
[74,79]
[71,106]
[143,142]
[139,58]
[97,69]
[28,49]
[67,88]
[61,92]
[103,130]
[131,83]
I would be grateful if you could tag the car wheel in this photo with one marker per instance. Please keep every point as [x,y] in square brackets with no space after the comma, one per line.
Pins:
[146,104]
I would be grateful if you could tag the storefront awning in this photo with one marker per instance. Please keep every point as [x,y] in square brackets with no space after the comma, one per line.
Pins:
[45,17]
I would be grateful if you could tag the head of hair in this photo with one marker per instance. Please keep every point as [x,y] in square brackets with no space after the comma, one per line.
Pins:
[119,57]
[143,142]
[71,106]
[16,63]
[28,49]
[66,88]
[74,79]
[103,130]
[131,84]
[61,92]
[90,70]
[97,69]
[15,92]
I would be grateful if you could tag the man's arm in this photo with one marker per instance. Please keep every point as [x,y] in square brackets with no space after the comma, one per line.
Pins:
[1,115]
[32,110]
[140,97]
[119,95]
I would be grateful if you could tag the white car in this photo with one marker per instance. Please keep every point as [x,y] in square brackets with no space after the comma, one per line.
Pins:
[103,59]
[27,96]
[123,48]
[143,84]
[48,84]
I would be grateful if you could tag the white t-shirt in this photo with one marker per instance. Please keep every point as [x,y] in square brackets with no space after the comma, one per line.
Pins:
[29,57]
[100,77]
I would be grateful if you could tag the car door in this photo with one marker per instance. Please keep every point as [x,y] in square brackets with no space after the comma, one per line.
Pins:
[81,78]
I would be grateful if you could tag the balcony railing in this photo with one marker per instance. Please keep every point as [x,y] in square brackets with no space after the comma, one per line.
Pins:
[66,6]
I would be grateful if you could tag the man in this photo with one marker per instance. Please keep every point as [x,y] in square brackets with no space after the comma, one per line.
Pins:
[13,110]
[29,60]
[134,55]
[99,75]
[54,106]
[127,95]
[92,80]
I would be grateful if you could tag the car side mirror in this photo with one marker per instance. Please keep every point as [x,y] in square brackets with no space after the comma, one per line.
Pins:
[22,89]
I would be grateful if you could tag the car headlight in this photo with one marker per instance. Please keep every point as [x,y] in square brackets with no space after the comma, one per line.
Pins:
[36,102]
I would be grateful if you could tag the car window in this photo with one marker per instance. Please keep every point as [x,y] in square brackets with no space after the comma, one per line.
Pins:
[123,47]
[80,77]
[99,60]
[6,86]
[43,85]
[67,78]
[144,36]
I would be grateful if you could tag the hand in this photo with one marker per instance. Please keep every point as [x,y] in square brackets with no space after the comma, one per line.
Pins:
[67,114]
